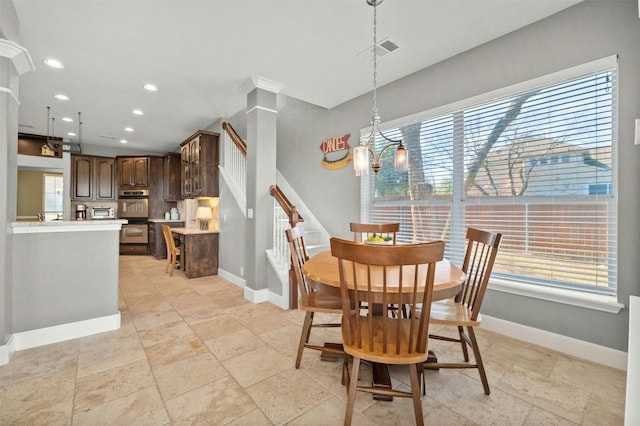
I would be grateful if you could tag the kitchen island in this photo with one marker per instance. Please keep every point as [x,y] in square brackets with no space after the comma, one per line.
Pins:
[66,280]
[199,251]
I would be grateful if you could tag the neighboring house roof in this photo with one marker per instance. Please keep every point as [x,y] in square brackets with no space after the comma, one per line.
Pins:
[543,167]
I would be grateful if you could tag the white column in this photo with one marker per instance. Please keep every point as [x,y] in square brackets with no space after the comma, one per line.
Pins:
[14,61]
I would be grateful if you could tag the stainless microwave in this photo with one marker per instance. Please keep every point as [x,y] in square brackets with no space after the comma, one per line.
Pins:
[98,213]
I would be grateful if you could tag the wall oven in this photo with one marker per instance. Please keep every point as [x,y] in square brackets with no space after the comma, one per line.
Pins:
[134,233]
[133,205]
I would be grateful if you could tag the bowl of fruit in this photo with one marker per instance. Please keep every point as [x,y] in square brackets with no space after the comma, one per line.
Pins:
[378,239]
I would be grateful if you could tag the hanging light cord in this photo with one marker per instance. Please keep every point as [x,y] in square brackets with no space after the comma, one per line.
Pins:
[374,111]
[375,116]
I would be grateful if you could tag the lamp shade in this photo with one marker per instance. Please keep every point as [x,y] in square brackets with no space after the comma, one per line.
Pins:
[204,213]
[401,160]
[361,160]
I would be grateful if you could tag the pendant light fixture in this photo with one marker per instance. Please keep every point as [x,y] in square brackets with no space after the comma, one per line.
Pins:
[365,153]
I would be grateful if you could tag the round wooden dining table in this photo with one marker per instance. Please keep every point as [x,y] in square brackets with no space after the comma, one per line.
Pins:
[323,268]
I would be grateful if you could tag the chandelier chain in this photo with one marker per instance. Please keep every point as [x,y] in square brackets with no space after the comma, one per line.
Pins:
[375,64]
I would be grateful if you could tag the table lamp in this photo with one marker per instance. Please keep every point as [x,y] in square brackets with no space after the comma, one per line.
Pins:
[203,214]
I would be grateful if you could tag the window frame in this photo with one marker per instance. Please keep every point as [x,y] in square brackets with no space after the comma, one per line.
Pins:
[603,302]
[51,214]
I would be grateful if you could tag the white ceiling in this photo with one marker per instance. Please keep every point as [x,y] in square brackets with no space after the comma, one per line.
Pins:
[199,54]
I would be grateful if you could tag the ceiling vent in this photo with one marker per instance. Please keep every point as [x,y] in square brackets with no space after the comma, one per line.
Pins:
[382,49]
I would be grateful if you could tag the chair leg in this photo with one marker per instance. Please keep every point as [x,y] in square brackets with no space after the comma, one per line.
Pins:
[415,391]
[172,262]
[463,342]
[421,378]
[304,336]
[351,398]
[345,370]
[478,358]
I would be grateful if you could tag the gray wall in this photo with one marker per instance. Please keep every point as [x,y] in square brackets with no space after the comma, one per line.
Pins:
[233,224]
[64,277]
[30,193]
[588,31]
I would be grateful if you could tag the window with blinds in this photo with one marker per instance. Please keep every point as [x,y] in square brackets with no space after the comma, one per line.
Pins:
[52,196]
[536,164]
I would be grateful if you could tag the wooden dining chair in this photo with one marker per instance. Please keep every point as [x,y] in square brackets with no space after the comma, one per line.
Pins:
[387,230]
[362,230]
[173,252]
[386,275]
[464,310]
[314,297]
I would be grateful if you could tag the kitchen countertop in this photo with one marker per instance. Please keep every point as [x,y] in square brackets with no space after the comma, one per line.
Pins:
[192,231]
[67,226]
[165,220]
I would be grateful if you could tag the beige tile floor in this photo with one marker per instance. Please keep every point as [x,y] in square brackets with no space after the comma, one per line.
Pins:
[195,352]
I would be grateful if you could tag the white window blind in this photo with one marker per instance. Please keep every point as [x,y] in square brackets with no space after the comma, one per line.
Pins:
[536,164]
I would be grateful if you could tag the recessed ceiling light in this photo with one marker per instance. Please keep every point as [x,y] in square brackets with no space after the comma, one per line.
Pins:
[151,87]
[53,63]
[137,112]
[67,119]
[123,141]
[128,129]
[61,97]
[71,134]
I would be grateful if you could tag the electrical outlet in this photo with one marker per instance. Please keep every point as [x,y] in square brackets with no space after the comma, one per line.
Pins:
[250,213]
[242,271]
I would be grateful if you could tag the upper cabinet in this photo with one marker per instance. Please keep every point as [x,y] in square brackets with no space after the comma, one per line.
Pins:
[171,177]
[92,178]
[133,172]
[199,171]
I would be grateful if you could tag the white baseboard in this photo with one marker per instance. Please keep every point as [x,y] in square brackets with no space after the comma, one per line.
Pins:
[59,333]
[239,281]
[568,345]
[264,295]
[6,351]
[255,296]
[278,300]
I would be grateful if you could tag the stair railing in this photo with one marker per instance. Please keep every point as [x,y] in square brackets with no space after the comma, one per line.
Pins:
[285,216]
[235,158]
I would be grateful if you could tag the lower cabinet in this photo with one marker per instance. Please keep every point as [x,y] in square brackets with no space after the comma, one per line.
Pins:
[199,254]
[157,245]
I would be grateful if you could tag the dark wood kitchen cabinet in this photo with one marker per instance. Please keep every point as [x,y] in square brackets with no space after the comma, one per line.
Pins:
[133,172]
[171,177]
[92,178]
[199,165]
[198,252]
